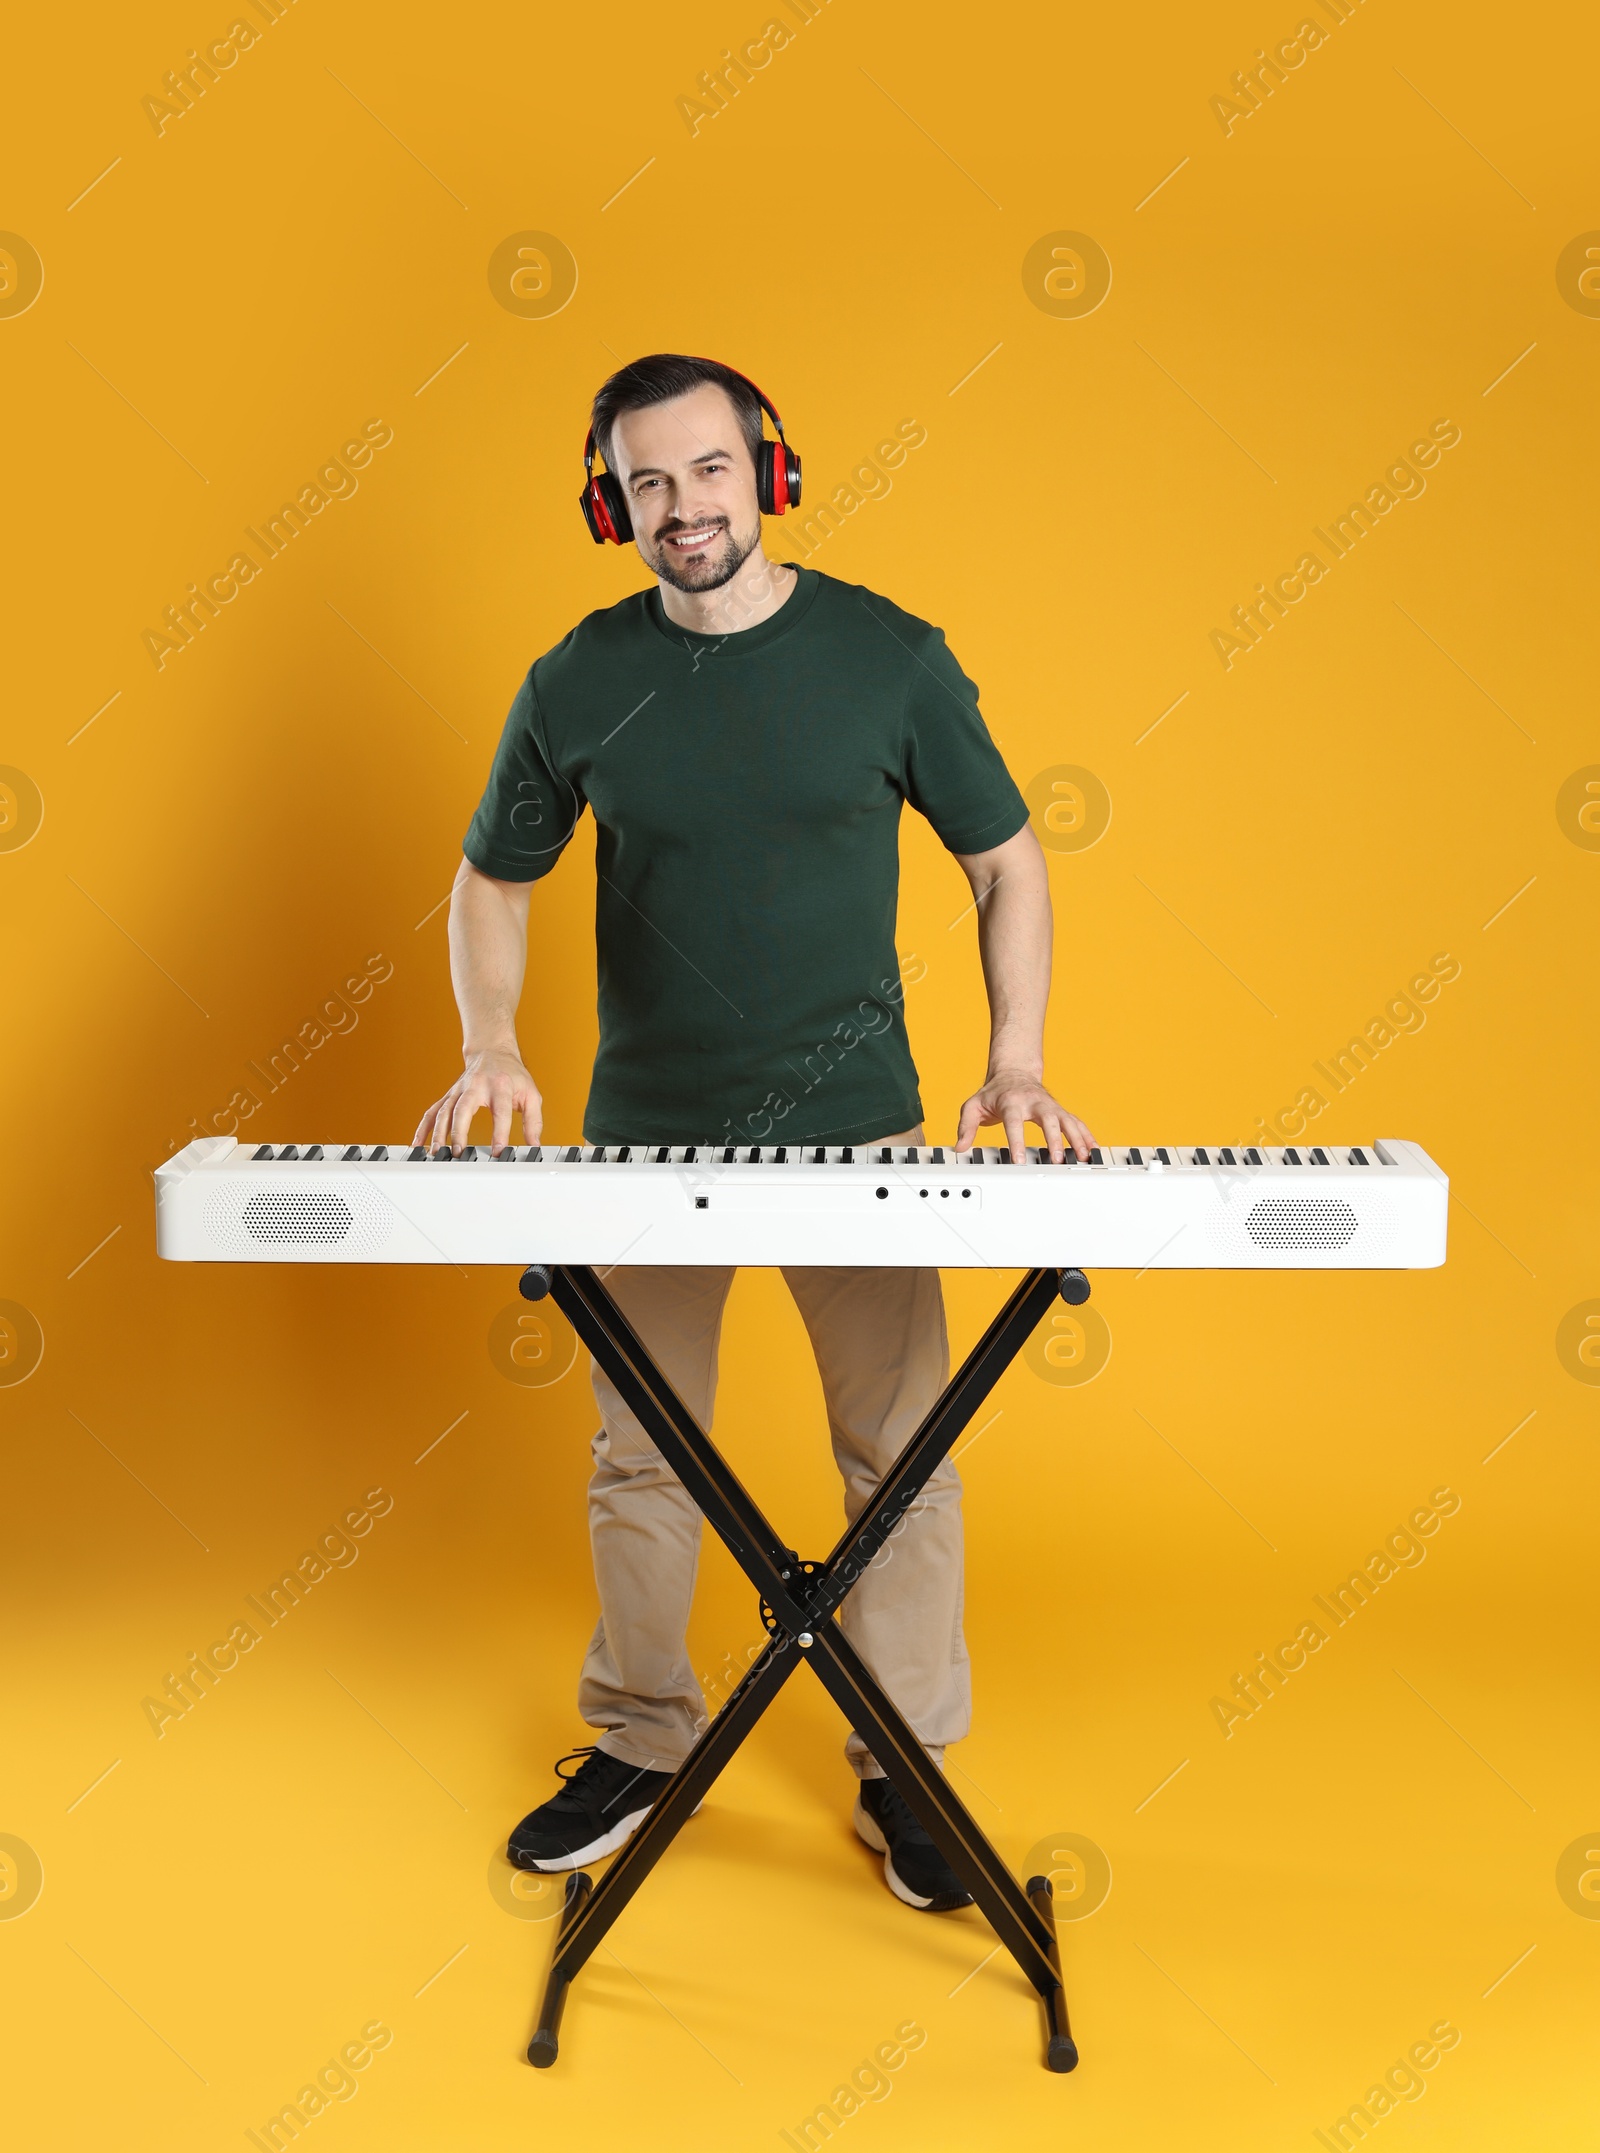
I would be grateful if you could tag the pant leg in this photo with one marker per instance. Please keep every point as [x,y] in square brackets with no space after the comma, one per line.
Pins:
[884,1356]
[644,1528]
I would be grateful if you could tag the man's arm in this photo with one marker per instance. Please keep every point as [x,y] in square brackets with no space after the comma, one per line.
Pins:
[488,955]
[1012,887]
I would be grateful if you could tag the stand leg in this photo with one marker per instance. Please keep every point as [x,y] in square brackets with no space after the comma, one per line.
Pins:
[1061,2051]
[545,2045]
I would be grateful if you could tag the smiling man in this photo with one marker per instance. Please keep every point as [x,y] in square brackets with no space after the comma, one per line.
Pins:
[746,735]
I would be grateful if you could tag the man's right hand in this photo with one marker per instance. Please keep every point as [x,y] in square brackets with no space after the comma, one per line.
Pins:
[496,1080]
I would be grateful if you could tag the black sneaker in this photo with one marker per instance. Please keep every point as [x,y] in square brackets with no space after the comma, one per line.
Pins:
[599,1808]
[913,1867]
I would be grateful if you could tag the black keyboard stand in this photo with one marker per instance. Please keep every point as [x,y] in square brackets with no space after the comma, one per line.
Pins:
[798,1602]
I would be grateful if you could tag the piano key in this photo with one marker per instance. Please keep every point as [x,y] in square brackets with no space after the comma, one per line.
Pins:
[1252,1157]
[380,1151]
[1225,1157]
[1135,1156]
[1097,1157]
[847,1156]
[729,1156]
[469,1152]
[1358,1157]
[289,1151]
[820,1156]
[1163,1155]
[688,1154]
[1291,1158]
[440,1151]
[938,1154]
[912,1158]
[1200,1156]
[598,1155]
[624,1154]
[661,1155]
[416,1152]
[351,1151]
[781,1156]
[265,1152]
[1318,1156]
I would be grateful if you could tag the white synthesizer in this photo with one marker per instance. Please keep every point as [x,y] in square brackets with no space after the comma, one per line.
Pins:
[1362,1207]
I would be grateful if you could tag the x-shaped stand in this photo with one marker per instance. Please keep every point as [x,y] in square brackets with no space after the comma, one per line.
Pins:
[798,1602]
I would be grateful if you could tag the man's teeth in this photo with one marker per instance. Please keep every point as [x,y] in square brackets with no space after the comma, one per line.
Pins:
[691,539]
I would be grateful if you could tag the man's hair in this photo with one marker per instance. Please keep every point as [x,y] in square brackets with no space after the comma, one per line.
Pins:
[663,375]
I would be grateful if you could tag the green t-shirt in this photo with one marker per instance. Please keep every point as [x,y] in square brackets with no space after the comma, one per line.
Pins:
[746,791]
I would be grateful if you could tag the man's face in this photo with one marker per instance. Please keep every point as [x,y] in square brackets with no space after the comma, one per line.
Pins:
[691,488]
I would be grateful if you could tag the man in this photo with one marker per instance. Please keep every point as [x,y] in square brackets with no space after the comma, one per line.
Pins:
[745,734]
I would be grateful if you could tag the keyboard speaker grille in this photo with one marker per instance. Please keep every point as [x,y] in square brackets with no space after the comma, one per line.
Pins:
[256,1221]
[296,1218]
[1301,1222]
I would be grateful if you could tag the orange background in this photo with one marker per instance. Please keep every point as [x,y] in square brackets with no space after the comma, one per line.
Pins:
[228,838]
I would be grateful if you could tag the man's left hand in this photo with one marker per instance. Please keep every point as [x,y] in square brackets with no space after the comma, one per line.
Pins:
[1014,1099]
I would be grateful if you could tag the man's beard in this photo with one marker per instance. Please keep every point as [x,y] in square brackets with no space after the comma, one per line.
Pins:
[705,571]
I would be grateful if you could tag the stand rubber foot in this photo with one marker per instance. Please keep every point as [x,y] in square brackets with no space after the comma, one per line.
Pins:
[534,1283]
[1061,2055]
[544,2048]
[1074,1288]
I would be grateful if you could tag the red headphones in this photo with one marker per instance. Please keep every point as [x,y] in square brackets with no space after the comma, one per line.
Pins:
[605,507]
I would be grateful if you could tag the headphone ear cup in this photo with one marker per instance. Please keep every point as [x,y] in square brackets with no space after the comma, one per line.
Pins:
[615,504]
[766,479]
[791,477]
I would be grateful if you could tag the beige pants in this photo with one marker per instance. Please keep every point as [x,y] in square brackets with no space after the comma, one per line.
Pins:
[881,1349]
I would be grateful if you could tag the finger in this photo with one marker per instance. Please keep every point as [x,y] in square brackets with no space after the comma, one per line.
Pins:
[1016,1131]
[1050,1120]
[1082,1138]
[500,1108]
[468,1101]
[532,1107]
[971,1119]
[425,1124]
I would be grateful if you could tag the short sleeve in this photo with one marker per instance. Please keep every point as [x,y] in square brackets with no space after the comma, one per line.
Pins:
[528,810]
[953,772]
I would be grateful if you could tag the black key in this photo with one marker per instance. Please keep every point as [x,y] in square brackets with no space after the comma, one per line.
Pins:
[1226,1158]
[264,1153]
[1200,1158]
[625,1154]
[314,1151]
[1002,1157]
[1163,1155]
[781,1156]
[938,1155]
[289,1151]
[510,1153]
[1358,1158]
[1136,1156]
[911,1155]
[1291,1158]
[1252,1157]
[688,1156]
[1096,1158]
[416,1152]
[536,1155]
[597,1157]
[574,1154]
[728,1156]
[469,1151]
[755,1154]
[820,1156]
[380,1151]
[886,1157]
[1318,1156]
[440,1151]
[661,1155]
[847,1157]
[351,1151]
